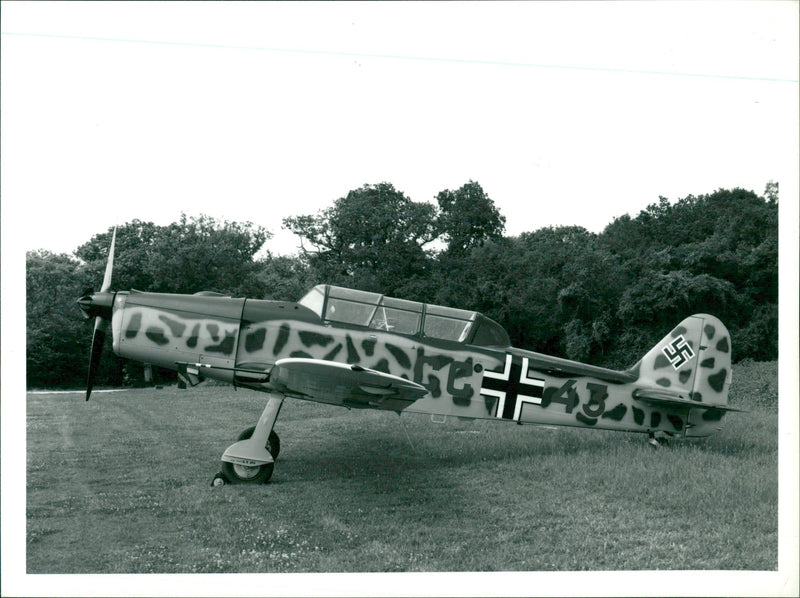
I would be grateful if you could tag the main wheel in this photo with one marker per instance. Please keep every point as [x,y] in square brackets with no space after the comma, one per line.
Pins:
[273,442]
[255,474]
[245,474]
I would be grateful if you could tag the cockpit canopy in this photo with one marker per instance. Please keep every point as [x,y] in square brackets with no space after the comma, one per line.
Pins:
[399,316]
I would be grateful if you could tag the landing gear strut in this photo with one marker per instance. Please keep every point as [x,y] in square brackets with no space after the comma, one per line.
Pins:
[252,459]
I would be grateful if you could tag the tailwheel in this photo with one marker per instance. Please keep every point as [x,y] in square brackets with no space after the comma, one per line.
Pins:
[658,439]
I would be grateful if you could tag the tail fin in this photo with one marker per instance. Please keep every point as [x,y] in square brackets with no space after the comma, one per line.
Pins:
[690,367]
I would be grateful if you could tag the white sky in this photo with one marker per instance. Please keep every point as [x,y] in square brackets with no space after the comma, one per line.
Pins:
[566,113]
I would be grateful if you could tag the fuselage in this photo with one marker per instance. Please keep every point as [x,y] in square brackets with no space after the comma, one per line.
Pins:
[469,370]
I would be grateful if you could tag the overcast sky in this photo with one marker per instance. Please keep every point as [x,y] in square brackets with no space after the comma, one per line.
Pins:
[565,113]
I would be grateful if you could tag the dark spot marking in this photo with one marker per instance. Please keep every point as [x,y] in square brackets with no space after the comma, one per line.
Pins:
[436,362]
[585,420]
[717,381]
[478,368]
[300,354]
[382,366]
[368,344]
[683,375]
[617,413]
[434,386]
[678,331]
[134,325]
[399,355]
[713,415]
[676,421]
[665,382]
[227,344]
[638,415]
[661,362]
[254,341]
[191,342]
[333,352]
[310,338]
[710,331]
[722,345]
[707,363]
[175,327]
[697,396]
[156,335]
[655,419]
[352,352]
[213,330]
[283,338]
[460,369]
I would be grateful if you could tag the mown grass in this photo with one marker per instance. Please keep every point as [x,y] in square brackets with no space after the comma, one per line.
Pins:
[121,485]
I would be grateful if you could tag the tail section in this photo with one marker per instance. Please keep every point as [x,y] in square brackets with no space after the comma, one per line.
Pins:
[689,370]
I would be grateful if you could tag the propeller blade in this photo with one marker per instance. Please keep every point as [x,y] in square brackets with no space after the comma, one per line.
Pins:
[110,264]
[101,307]
[98,338]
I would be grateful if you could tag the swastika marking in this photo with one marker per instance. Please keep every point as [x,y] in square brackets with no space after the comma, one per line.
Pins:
[678,352]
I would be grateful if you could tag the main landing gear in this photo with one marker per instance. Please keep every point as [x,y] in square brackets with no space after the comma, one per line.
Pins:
[252,459]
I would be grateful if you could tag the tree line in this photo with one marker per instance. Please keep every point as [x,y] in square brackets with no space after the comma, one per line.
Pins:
[604,298]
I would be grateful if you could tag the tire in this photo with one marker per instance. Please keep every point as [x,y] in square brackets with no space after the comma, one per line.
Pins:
[259,474]
[273,444]
[241,474]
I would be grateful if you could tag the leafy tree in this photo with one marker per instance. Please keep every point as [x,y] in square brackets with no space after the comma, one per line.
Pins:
[58,337]
[55,328]
[372,238]
[771,192]
[468,218]
[191,255]
[284,278]
[194,254]
[714,253]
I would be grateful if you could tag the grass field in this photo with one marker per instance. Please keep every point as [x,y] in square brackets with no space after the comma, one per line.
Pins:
[121,485]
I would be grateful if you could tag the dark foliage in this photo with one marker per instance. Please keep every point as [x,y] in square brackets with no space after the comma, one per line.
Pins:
[604,298]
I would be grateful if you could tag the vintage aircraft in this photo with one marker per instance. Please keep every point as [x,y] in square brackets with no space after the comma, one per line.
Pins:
[365,350]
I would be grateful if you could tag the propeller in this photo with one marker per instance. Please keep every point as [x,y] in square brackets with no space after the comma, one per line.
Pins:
[99,306]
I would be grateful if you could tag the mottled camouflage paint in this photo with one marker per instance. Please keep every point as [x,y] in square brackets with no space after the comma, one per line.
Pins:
[453,374]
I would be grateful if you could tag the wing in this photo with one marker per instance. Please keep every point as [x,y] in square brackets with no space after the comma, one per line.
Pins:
[340,383]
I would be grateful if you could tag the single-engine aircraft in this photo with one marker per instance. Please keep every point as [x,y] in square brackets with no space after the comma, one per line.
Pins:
[368,351]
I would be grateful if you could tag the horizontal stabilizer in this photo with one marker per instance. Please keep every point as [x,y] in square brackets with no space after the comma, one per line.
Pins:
[664,397]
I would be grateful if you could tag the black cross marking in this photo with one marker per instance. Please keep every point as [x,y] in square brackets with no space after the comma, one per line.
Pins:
[512,386]
[678,352]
